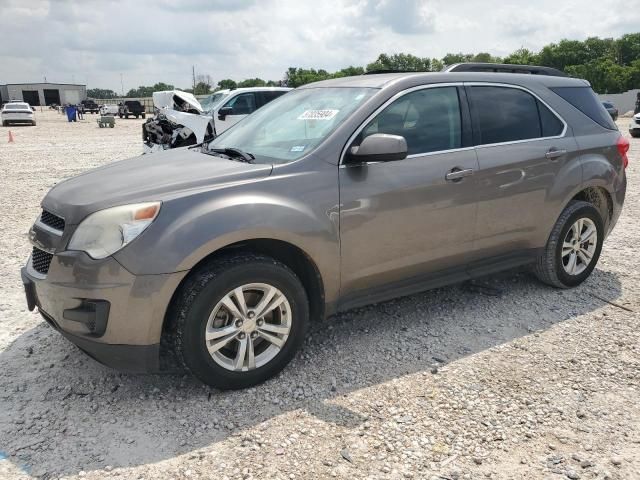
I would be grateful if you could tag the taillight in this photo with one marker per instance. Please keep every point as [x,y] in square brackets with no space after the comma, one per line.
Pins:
[623,148]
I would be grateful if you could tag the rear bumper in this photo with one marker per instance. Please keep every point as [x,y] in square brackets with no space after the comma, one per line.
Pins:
[114,316]
[17,118]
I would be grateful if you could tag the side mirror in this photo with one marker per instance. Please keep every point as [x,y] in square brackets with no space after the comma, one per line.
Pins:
[379,147]
[224,111]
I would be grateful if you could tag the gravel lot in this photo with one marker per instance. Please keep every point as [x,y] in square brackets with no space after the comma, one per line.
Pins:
[454,383]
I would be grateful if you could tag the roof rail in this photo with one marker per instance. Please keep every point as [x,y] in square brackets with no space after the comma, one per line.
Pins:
[503,68]
[389,70]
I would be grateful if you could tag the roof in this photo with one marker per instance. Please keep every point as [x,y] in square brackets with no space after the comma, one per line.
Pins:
[417,78]
[48,83]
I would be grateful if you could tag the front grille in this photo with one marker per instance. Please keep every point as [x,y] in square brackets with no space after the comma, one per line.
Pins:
[41,260]
[52,220]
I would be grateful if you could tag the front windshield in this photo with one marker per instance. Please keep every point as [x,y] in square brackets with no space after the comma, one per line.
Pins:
[211,101]
[294,124]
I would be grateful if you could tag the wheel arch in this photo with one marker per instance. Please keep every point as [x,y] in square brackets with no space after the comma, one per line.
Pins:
[600,198]
[287,253]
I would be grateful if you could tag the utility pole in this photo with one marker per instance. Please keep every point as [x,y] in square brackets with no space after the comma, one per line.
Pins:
[193,72]
[121,86]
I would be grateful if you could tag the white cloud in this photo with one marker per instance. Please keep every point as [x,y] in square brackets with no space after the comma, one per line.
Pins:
[159,40]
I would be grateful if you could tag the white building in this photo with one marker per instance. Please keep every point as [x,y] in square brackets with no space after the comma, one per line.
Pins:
[43,93]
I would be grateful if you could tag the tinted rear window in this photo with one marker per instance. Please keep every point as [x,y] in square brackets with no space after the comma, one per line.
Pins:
[586,101]
[504,114]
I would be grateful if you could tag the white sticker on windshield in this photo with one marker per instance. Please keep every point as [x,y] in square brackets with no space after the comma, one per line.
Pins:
[298,148]
[318,114]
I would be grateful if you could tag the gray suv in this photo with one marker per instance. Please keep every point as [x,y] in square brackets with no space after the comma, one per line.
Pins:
[338,194]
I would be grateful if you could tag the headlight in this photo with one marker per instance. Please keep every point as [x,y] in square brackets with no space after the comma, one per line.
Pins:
[105,232]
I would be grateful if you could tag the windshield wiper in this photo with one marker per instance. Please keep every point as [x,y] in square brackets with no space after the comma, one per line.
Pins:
[234,153]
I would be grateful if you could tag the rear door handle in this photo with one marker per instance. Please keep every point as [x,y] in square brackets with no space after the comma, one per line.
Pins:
[457,174]
[554,153]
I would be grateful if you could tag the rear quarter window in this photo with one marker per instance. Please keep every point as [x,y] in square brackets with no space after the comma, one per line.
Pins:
[585,100]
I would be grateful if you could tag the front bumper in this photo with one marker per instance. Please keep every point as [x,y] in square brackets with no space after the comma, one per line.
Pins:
[114,316]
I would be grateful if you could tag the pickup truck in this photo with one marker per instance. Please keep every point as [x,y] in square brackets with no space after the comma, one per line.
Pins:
[131,107]
[90,106]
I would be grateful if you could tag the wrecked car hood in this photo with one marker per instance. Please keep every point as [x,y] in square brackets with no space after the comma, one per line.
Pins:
[161,176]
[196,123]
[172,99]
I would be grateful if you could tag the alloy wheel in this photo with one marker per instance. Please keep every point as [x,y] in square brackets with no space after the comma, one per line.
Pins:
[248,327]
[579,246]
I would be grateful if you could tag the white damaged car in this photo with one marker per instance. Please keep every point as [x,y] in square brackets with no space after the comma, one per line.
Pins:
[181,120]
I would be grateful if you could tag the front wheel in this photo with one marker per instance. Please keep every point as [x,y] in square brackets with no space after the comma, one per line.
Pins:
[240,320]
[573,248]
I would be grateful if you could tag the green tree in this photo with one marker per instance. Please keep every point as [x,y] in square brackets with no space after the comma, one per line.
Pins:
[522,56]
[295,77]
[453,58]
[226,84]
[202,88]
[401,62]
[101,93]
[143,91]
[485,57]
[252,82]
[628,48]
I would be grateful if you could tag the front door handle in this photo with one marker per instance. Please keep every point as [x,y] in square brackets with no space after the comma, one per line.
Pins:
[554,153]
[457,174]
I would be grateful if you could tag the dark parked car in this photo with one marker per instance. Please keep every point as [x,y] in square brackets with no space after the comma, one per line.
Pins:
[613,111]
[131,107]
[338,194]
[90,106]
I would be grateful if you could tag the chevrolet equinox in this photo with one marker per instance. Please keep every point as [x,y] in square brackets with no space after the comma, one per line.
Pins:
[338,194]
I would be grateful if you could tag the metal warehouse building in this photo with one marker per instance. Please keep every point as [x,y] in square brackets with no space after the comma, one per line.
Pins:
[43,93]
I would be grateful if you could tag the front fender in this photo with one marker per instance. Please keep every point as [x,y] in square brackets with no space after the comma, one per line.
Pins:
[187,231]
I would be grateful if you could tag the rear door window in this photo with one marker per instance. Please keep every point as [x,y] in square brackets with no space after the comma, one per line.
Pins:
[585,100]
[267,96]
[503,114]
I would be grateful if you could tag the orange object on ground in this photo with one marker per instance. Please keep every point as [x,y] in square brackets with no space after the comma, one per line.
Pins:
[10,137]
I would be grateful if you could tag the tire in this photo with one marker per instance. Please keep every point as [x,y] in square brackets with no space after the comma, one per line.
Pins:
[201,297]
[635,134]
[137,116]
[550,267]
[126,115]
[120,115]
[111,125]
[5,124]
[33,123]
[143,115]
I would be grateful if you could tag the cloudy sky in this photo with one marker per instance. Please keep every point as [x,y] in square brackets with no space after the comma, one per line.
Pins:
[95,41]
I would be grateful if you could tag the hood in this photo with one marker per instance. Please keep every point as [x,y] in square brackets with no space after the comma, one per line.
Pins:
[196,123]
[174,99]
[161,176]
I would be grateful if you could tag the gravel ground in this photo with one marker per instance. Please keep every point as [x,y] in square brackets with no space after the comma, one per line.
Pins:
[529,382]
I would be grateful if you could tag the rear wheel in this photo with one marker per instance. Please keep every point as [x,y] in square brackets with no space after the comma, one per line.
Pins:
[5,124]
[635,134]
[240,320]
[573,248]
